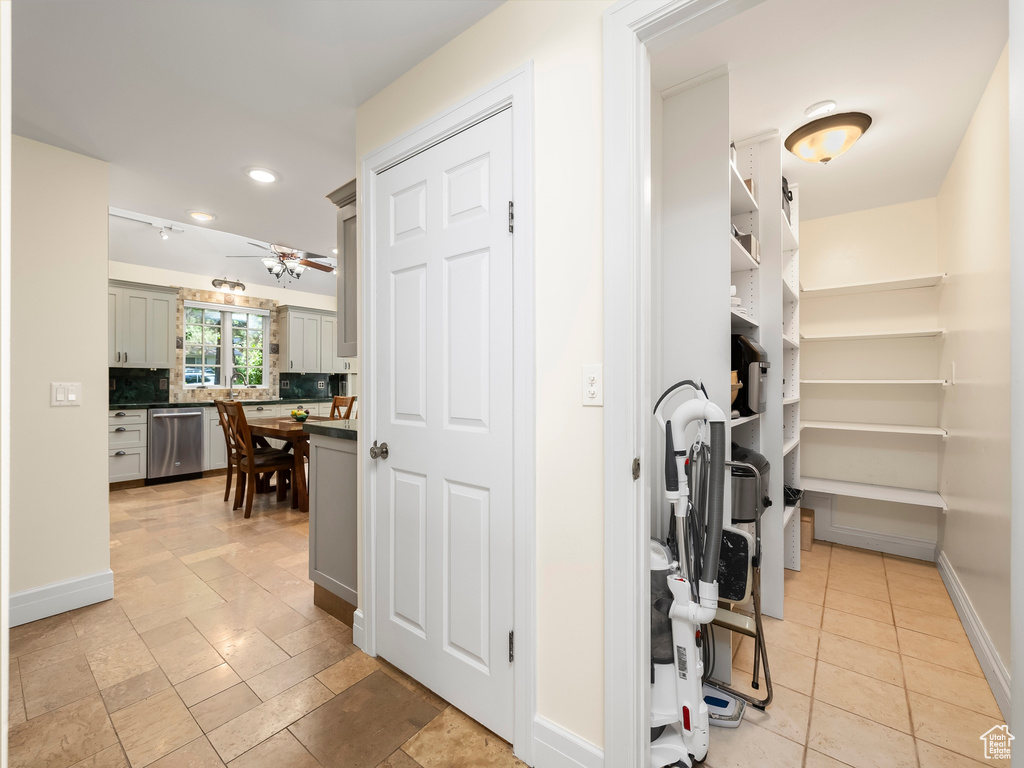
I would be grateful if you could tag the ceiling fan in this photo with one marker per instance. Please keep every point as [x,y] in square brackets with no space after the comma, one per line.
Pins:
[287,260]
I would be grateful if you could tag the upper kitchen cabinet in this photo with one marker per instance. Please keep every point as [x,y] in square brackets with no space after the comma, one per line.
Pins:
[300,340]
[348,326]
[141,321]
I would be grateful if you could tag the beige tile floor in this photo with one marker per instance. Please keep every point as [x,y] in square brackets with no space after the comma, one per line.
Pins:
[871,669]
[212,654]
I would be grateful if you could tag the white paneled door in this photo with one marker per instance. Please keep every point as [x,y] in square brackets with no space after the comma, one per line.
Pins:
[444,407]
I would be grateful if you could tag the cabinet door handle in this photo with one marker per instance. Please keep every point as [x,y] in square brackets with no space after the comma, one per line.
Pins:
[119,453]
[126,357]
[119,429]
[119,357]
[120,413]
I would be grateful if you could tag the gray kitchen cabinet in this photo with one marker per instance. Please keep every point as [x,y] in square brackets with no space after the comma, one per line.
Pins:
[141,325]
[126,464]
[300,337]
[333,516]
[126,445]
[348,277]
[216,450]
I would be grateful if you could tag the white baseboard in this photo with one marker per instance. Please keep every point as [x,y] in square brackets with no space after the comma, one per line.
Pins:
[359,630]
[889,543]
[995,671]
[51,599]
[555,747]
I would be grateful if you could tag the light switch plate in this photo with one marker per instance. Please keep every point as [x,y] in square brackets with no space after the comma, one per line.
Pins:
[593,385]
[65,393]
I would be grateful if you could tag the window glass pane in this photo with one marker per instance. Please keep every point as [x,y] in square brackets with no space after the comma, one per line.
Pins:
[212,317]
[256,357]
[193,375]
[193,334]
[211,335]
[256,321]
[238,320]
[211,355]
[210,375]
[255,376]
[238,356]
[193,315]
[256,339]
[237,337]
[193,355]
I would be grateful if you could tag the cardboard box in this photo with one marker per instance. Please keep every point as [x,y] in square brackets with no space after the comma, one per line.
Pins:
[806,528]
[751,187]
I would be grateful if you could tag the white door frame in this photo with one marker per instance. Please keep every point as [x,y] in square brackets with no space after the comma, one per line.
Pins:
[630,27]
[515,90]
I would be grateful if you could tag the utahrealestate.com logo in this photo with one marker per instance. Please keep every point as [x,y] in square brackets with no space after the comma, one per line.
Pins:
[997,743]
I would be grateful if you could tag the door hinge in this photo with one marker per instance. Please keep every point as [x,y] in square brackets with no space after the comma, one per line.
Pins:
[636,469]
[511,646]
[511,217]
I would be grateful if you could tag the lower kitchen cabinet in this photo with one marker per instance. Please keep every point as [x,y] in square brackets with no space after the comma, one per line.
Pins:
[333,516]
[216,448]
[126,464]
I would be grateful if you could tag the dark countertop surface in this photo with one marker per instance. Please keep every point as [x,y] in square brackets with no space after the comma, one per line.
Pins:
[346,429]
[209,404]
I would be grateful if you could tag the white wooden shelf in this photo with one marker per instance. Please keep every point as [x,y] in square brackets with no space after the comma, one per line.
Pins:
[876,492]
[741,201]
[896,429]
[789,239]
[791,343]
[936,382]
[923,281]
[742,261]
[742,321]
[790,400]
[921,334]
[788,516]
[789,445]
[788,294]
[744,420]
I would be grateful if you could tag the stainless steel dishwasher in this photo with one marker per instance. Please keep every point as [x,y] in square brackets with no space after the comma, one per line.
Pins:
[175,442]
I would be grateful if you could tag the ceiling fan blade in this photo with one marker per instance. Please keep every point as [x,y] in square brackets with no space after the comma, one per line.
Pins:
[317,265]
[243,256]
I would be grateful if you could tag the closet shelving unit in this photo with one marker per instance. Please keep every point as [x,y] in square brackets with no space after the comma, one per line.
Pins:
[860,386]
[791,373]
[699,192]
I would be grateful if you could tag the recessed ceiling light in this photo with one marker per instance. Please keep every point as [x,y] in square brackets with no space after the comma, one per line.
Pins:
[334,251]
[820,108]
[261,175]
[201,215]
[826,138]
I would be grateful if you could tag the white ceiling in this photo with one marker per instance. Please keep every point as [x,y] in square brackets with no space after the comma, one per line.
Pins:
[918,67]
[182,97]
[202,251]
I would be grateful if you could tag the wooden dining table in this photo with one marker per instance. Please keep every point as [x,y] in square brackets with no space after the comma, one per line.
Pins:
[287,428]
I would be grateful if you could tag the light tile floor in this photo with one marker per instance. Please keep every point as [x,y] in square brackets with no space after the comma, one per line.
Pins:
[872,669]
[212,653]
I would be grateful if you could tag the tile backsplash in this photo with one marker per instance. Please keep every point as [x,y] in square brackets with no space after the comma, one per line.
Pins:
[305,385]
[139,385]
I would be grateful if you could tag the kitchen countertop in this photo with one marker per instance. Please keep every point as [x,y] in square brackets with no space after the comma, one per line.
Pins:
[342,429]
[209,403]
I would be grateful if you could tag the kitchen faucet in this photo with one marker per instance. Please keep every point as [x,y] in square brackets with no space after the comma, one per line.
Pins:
[231,385]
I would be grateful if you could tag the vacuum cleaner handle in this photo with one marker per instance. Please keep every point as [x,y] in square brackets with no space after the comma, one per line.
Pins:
[671,470]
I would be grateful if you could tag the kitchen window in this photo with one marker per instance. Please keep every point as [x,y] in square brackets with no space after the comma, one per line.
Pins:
[221,342]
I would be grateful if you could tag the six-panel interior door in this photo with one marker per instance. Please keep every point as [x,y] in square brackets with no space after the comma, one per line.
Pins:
[444,407]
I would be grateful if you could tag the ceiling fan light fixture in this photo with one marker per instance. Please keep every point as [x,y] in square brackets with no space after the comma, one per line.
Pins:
[821,141]
[820,108]
[201,216]
[261,175]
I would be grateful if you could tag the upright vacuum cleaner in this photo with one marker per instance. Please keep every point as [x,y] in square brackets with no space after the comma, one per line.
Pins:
[687,598]
[702,544]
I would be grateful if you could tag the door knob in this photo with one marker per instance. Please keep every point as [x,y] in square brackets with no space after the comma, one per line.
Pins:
[378,452]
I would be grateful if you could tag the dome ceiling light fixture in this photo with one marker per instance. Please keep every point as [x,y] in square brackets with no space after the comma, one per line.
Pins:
[821,141]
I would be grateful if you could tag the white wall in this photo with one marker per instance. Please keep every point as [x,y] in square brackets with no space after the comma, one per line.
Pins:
[974,246]
[59,513]
[5,363]
[878,244]
[564,41]
[138,273]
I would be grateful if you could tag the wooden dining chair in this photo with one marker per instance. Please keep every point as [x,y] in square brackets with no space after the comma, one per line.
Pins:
[234,452]
[341,408]
[253,463]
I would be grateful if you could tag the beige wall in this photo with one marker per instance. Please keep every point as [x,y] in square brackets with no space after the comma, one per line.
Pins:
[59,514]
[974,245]
[563,39]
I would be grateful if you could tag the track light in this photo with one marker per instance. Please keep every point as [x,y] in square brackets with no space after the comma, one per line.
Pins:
[164,234]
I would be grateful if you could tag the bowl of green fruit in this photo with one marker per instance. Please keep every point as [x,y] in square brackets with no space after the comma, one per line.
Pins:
[300,415]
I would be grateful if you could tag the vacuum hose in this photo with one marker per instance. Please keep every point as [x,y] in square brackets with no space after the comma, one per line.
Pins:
[716,504]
